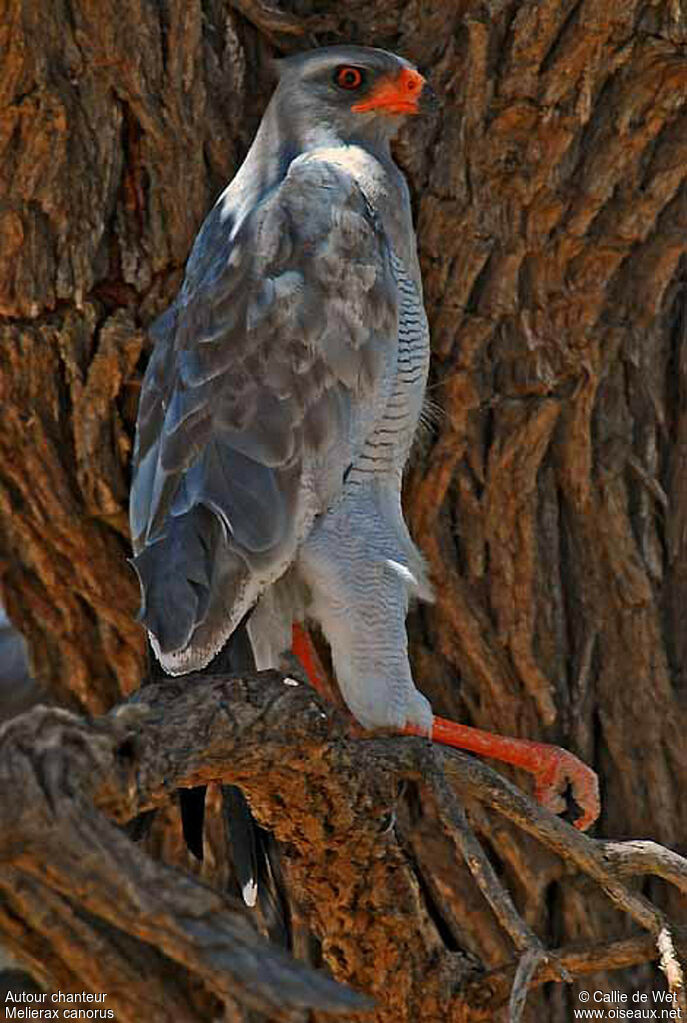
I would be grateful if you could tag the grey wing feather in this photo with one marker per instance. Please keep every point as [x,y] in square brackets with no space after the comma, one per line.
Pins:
[266,372]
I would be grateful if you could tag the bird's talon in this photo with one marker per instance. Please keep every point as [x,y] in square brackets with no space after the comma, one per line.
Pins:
[554,768]
[561,770]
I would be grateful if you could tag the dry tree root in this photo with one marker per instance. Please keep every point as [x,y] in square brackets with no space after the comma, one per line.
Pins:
[604,862]
[71,881]
[491,989]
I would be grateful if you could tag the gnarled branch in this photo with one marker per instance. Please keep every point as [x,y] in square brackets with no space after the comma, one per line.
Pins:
[327,797]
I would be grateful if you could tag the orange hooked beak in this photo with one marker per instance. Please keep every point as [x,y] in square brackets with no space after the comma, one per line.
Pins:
[399,95]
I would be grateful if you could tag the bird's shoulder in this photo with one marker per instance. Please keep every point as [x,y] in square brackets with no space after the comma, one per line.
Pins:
[241,232]
[351,166]
[304,285]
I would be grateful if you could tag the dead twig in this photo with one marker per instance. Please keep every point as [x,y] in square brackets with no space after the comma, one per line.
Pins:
[629,859]
[456,824]
[671,967]
[529,961]
[476,780]
[485,993]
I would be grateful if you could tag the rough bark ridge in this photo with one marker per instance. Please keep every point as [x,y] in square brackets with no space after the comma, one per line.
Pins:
[547,495]
[69,880]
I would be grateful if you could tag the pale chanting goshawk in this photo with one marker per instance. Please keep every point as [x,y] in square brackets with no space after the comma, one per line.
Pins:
[279,407]
[280,403]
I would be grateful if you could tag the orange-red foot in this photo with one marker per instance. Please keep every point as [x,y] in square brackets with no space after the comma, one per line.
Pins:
[560,769]
[554,768]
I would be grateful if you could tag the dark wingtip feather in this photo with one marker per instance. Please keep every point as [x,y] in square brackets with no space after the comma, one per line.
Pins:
[174,575]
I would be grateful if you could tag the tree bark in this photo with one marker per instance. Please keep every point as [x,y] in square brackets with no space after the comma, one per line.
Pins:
[546,490]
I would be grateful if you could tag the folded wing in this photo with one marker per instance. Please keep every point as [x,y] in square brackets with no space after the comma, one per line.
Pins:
[267,374]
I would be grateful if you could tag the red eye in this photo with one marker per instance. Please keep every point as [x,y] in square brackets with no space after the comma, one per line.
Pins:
[347,77]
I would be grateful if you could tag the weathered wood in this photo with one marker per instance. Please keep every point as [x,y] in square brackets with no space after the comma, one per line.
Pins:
[487,992]
[77,882]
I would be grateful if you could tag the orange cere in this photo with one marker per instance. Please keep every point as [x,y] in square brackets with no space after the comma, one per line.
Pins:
[398,95]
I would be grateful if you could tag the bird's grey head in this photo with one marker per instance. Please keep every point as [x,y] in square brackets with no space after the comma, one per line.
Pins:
[350,92]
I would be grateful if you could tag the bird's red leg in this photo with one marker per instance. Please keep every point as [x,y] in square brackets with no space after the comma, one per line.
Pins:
[304,649]
[553,768]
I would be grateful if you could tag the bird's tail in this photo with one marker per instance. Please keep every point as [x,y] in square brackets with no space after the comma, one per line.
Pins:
[252,850]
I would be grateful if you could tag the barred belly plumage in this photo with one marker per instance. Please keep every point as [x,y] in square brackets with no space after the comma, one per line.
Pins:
[386,450]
